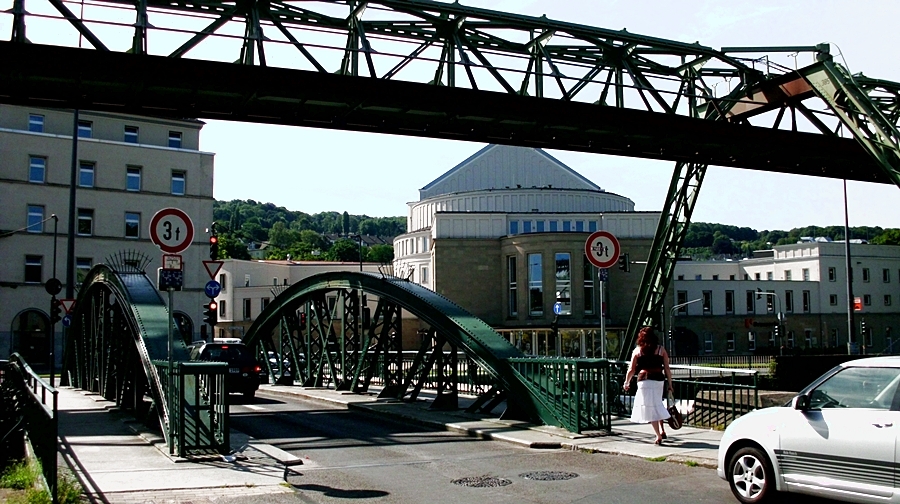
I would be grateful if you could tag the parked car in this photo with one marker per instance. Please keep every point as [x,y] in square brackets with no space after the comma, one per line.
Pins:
[243,369]
[837,439]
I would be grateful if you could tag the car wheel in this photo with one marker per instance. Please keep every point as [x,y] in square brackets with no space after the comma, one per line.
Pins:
[250,394]
[750,476]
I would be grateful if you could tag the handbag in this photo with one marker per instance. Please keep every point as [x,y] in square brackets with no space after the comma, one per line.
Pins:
[676,420]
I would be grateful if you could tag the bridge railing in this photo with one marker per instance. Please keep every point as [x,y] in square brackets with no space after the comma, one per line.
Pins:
[200,423]
[571,388]
[759,363]
[473,379]
[37,402]
[706,396]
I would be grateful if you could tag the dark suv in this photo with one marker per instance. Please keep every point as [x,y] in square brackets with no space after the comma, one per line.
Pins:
[243,369]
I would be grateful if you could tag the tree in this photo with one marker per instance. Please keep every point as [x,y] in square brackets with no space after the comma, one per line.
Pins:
[232,248]
[383,254]
[888,237]
[345,251]
[345,223]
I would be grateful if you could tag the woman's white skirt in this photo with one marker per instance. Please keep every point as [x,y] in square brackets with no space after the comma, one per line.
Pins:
[648,403]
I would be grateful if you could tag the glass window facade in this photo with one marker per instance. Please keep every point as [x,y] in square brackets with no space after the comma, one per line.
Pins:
[131,134]
[175,139]
[133,179]
[85,174]
[37,170]
[35,219]
[564,281]
[535,285]
[36,123]
[178,183]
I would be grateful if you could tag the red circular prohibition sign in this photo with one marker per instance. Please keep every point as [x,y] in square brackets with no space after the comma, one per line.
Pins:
[602,249]
[177,232]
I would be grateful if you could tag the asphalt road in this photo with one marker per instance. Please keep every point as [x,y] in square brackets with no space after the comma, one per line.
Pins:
[354,456]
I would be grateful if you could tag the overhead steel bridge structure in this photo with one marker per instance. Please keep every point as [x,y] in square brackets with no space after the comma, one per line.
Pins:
[444,70]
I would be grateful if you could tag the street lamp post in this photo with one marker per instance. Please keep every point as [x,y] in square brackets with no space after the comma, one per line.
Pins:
[359,240]
[672,323]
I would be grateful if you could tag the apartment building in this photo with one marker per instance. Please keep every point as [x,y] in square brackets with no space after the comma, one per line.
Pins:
[733,306]
[126,169]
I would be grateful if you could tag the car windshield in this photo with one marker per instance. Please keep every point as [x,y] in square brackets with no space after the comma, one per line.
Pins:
[224,353]
[857,387]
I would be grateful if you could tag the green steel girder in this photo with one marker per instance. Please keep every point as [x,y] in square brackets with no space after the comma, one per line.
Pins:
[472,335]
[120,325]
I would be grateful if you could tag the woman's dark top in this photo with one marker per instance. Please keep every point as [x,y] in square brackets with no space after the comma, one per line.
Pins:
[652,363]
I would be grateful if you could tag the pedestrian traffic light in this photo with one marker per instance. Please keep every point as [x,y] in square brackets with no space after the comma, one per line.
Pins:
[211,313]
[55,311]
[302,319]
[213,247]
[624,263]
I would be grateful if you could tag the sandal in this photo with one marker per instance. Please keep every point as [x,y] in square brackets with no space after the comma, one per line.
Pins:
[663,435]
[658,442]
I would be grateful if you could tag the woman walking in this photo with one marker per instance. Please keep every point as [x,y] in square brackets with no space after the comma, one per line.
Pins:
[651,363]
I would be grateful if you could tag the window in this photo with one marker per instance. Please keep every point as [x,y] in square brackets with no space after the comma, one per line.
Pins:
[731,277]
[867,335]
[857,387]
[835,336]
[708,342]
[33,270]
[867,299]
[85,129]
[707,302]
[513,227]
[751,302]
[85,222]
[175,139]
[729,342]
[535,285]
[513,308]
[36,123]
[715,277]
[564,281]
[787,275]
[554,226]
[588,282]
[789,301]
[771,339]
[887,300]
[790,339]
[526,226]
[681,277]
[832,274]
[866,277]
[37,170]
[592,226]
[807,299]
[579,226]
[222,282]
[770,275]
[567,226]
[729,302]
[222,309]
[131,134]
[35,219]
[133,179]
[423,275]
[832,299]
[751,341]
[247,280]
[886,275]
[540,226]
[263,303]
[756,276]
[85,174]
[246,308]
[807,336]
[681,299]
[178,183]
[805,273]
[274,281]
[698,277]
[83,265]
[132,225]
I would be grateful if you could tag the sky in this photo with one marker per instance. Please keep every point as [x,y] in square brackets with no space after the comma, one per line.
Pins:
[315,170]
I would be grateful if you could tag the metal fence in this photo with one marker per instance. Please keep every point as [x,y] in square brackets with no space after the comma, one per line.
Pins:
[473,379]
[199,421]
[759,363]
[37,403]
[706,396]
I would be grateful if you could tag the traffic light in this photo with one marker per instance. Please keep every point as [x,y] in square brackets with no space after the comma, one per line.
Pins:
[777,333]
[55,311]
[862,328]
[624,263]
[211,313]
[213,247]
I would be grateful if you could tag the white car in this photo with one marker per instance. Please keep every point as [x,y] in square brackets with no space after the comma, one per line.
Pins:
[837,439]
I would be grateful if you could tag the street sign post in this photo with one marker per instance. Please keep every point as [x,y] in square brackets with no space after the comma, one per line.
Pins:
[171,230]
[602,249]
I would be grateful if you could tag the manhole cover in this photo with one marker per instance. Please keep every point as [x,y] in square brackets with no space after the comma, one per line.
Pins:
[548,475]
[482,481]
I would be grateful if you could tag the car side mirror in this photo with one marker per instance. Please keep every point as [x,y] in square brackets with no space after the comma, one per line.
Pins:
[800,402]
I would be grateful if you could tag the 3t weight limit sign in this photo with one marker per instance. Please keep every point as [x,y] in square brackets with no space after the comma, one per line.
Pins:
[171,230]
[602,249]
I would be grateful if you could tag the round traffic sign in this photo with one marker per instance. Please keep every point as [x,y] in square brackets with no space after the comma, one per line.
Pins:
[602,249]
[67,320]
[53,286]
[212,289]
[557,308]
[171,230]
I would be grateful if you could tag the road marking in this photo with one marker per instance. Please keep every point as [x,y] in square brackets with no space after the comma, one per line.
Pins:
[254,407]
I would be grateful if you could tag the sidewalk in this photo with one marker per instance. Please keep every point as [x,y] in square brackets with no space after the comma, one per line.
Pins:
[119,461]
